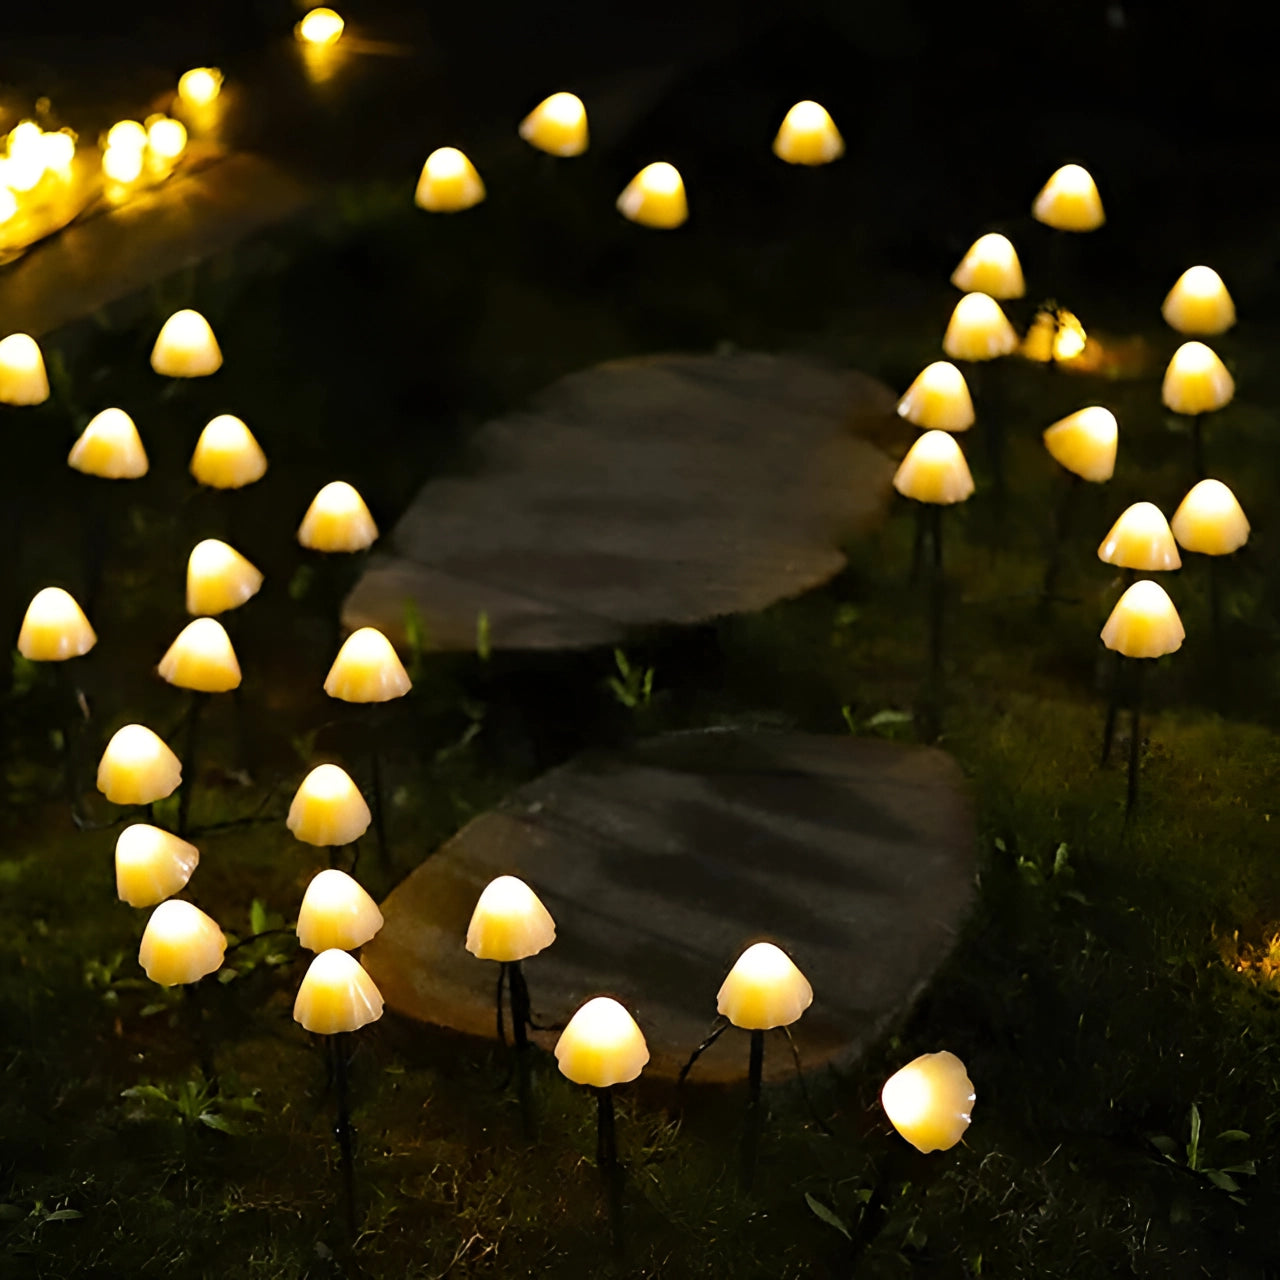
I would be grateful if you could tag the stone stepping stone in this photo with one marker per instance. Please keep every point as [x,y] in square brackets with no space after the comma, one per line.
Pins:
[668,489]
[661,863]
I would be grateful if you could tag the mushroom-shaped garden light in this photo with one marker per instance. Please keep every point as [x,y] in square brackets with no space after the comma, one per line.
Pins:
[227,456]
[23,380]
[934,474]
[1144,625]
[655,197]
[137,768]
[203,661]
[938,399]
[557,126]
[808,136]
[328,810]
[180,944]
[336,913]
[110,448]
[1069,201]
[219,579]
[152,864]
[1210,522]
[1195,383]
[448,183]
[991,266]
[186,347]
[1199,303]
[930,1101]
[602,1047]
[1083,444]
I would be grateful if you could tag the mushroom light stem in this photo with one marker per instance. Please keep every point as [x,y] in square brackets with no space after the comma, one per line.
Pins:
[808,136]
[655,197]
[930,1101]
[557,125]
[23,380]
[448,183]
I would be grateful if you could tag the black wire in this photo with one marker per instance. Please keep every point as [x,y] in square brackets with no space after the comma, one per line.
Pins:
[717,1030]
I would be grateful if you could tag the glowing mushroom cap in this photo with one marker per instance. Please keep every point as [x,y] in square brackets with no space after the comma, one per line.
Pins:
[126,135]
[328,809]
[336,912]
[1144,623]
[1141,539]
[219,578]
[938,399]
[1199,303]
[764,989]
[1084,443]
[979,330]
[655,197]
[449,183]
[166,138]
[1196,381]
[123,164]
[320,27]
[934,471]
[186,347]
[808,135]
[557,125]
[602,1045]
[180,944]
[110,447]
[54,628]
[336,995]
[227,456]
[991,266]
[22,376]
[337,520]
[367,669]
[509,922]
[199,86]
[1069,201]
[929,1101]
[152,865]
[1210,521]
[137,767]
[202,658]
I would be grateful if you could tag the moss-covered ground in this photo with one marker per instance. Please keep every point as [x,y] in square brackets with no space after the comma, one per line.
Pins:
[1114,994]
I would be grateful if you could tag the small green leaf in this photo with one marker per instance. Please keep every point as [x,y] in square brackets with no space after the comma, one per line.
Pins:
[1233,1135]
[1221,1178]
[484,637]
[10,1212]
[64,1215]
[887,719]
[1060,860]
[1165,1145]
[258,916]
[213,1120]
[826,1215]
[1193,1147]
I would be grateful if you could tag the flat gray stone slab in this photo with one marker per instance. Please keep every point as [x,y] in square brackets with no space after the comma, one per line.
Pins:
[662,863]
[667,489]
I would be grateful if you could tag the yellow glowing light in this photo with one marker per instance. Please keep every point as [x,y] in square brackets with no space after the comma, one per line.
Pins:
[180,944]
[1141,539]
[336,912]
[186,347]
[557,125]
[655,197]
[336,995]
[930,1101]
[1069,340]
[1199,303]
[367,669]
[509,922]
[1196,381]
[152,865]
[23,379]
[219,578]
[122,164]
[1084,443]
[8,204]
[934,471]
[1210,520]
[1144,623]
[449,183]
[328,809]
[200,86]
[938,399]
[601,1046]
[58,150]
[137,767]
[764,989]
[1069,201]
[110,447]
[337,520]
[320,27]
[202,658]
[23,170]
[127,135]
[991,266]
[978,330]
[54,628]
[167,138]
[808,136]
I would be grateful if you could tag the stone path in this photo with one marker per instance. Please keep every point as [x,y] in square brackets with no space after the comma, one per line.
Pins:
[660,864]
[662,490]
